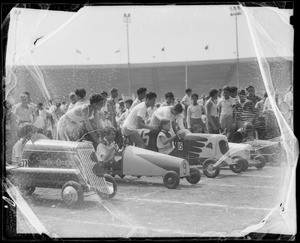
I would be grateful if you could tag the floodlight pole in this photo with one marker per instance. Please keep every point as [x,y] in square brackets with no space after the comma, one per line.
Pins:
[126,20]
[235,11]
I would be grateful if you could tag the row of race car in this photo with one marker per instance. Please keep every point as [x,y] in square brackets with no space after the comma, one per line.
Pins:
[70,166]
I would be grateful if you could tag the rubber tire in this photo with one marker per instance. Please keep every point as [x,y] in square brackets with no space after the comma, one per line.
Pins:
[194,177]
[110,179]
[171,180]
[80,194]
[246,165]
[27,190]
[205,166]
[262,161]
[239,167]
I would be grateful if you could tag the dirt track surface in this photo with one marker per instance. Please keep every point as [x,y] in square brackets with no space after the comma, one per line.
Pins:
[222,206]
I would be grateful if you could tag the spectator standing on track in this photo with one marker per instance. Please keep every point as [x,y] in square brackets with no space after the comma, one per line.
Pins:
[164,141]
[251,95]
[212,120]
[41,120]
[73,99]
[194,115]
[141,92]
[186,100]
[122,118]
[111,103]
[24,113]
[245,110]
[169,99]
[261,120]
[226,105]
[81,100]
[172,113]
[136,120]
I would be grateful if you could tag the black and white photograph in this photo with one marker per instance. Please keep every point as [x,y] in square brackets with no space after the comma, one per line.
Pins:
[148,121]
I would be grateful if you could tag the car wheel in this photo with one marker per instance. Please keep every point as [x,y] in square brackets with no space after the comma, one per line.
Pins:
[111,180]
[261,161]
[246,165]
[171,180]
[239,165]
[209,170]
[194,177]
[72,193]
[27,190]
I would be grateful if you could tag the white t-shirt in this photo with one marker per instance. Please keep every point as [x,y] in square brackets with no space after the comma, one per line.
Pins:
[165,149]
[226,105]
[186,100]
[195,112]
[135,102]
[165,113]
[131,121]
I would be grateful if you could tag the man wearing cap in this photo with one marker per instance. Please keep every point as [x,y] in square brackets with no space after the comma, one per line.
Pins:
[111,104]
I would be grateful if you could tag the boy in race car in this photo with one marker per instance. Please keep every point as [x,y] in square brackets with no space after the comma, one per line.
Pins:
[106,149]
[165,140]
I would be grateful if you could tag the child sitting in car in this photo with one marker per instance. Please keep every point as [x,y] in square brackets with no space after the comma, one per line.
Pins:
[165,140]
[106,149]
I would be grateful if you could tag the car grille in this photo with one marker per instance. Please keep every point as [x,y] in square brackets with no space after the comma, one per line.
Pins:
[87,165]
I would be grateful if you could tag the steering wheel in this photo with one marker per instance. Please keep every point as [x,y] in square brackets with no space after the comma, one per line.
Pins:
[122,141]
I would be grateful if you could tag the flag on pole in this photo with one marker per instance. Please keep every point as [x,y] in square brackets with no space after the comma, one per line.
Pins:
[163,49]
[117,51]
[206,48]
[77,51]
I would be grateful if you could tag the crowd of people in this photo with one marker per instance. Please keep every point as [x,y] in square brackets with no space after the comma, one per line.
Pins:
[238,114]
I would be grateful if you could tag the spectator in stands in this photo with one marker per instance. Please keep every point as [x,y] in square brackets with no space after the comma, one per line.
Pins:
[172,113]
[194,115]
[251,95]
[212,120]
[226,105]
[165,139]
[141,92]
[82,119]
[136,120]
[244,134]
[80,94]
[169,99]
[112,106]
[261,120]
[73,99]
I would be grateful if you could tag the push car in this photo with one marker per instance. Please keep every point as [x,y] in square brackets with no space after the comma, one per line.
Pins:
[209,150]
[271,150]
[61,164]
[142,162]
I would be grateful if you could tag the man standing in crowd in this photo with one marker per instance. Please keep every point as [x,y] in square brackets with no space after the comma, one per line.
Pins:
[261,120]
[24,113]
[226,105]
[187,100]
[111,104]
[141,92]
[136,120]
[194,115]
[212,120]
[169,99]
[173,113]
[251,95]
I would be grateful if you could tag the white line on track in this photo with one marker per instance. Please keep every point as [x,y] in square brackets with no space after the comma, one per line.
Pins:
[261,176]
[246,186]
[194,203]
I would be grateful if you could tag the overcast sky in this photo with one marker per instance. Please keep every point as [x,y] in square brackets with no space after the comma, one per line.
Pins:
[97,35]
